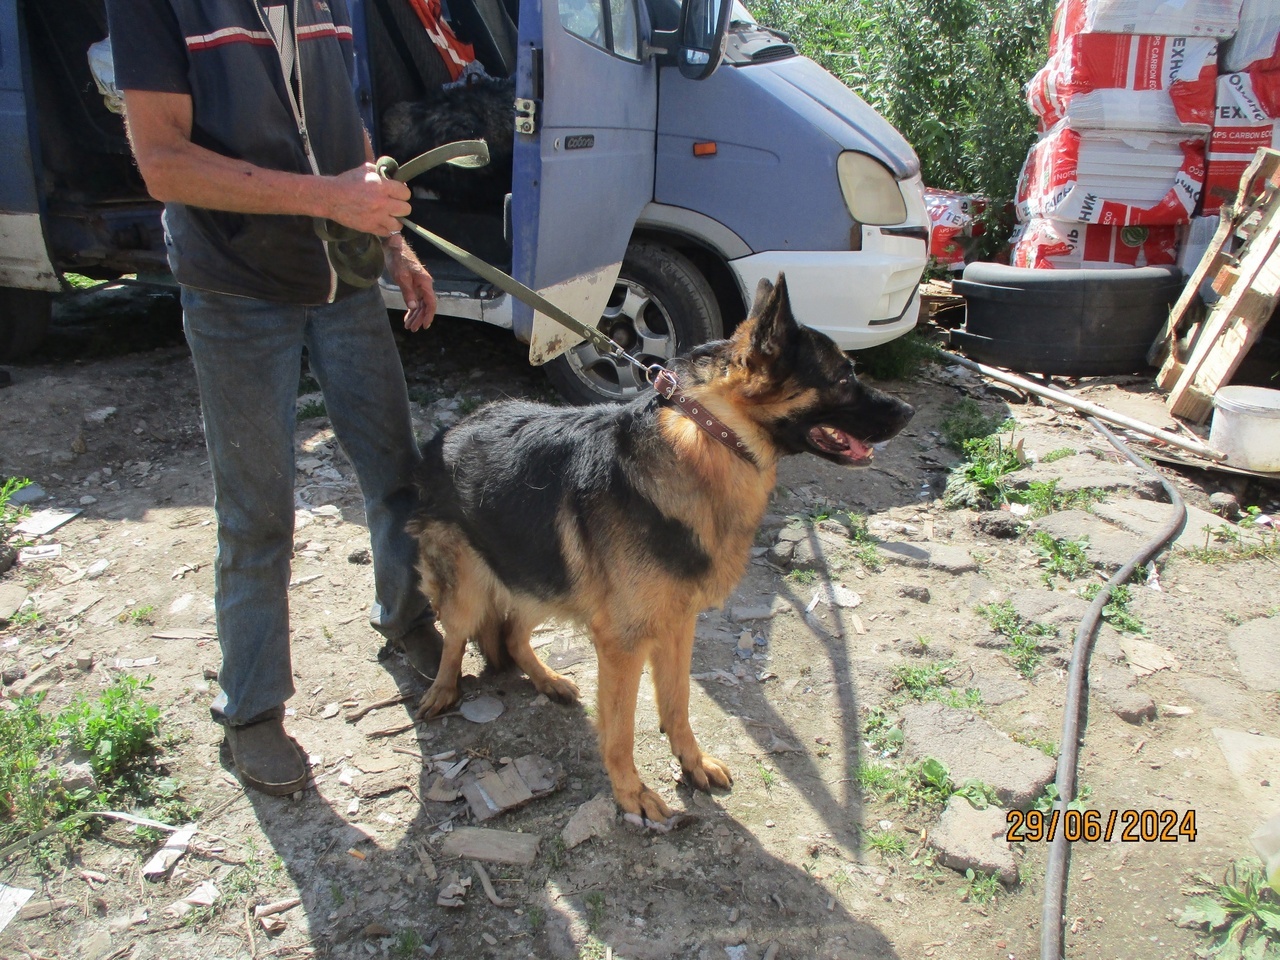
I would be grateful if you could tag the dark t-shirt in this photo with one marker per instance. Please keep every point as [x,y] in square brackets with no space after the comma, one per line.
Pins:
[148,48]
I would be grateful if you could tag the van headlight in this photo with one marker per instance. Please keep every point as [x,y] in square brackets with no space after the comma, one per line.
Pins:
[870,191]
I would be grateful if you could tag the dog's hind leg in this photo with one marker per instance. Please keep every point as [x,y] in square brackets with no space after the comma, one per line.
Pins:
[619,681]
[516,633]
[670,659]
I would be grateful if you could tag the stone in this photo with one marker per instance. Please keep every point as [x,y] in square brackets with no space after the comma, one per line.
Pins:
[814,551]
[1257,650]
[915,592]
[1050,607]
[970,839]
[780,553]
[970,747]
[12,597]
[595,818]
[1218,698]
[1108,547]
[1224,504]
[1116,688]
[934,556]
[996,689]
[77,776]
[1000,524]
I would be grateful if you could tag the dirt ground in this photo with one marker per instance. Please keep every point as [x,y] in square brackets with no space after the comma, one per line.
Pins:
[782,866]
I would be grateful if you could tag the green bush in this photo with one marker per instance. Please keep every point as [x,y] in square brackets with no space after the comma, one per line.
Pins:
[947,73]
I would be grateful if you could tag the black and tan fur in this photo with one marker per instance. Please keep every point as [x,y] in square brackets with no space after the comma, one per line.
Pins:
[629,520]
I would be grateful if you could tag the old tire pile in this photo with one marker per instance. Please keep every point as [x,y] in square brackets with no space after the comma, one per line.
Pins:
[1071,323]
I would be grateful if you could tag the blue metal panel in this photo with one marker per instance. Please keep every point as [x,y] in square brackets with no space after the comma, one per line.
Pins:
[779,128]
[18,192]
[576,201]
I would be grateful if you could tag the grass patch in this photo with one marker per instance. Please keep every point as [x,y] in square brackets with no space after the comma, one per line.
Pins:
[1060,454]
[595,910]
[802,578]
[928,682]
[981,887]
[887,843]
[10,515]
[77,281]
[1116,612]
[965,421]
[1224,544]
[116,734]
[1023,635]
[311,410]
[881,732]
[981,482]
[896,360]
[1241,914]
[1062,558]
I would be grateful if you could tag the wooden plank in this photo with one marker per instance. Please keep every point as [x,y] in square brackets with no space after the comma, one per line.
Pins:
[1165,344]
[1234,322]
[492,846]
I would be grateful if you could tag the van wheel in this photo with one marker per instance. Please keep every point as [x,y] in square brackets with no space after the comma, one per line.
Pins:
[24,321]
[661,306]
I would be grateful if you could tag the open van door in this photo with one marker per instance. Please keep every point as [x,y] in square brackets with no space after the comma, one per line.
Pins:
[586,122]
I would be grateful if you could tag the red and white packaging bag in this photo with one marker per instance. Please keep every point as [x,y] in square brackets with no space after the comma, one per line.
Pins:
[1247,117]
[1044,244]
[1111,178]
[1174,18]
[1256,45]
[1106,81]
[954,226]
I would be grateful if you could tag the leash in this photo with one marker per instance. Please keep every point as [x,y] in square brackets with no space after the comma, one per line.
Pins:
[357,259]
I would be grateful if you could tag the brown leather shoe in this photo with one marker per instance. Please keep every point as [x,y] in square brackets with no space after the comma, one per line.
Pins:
[422,647]
[267,758]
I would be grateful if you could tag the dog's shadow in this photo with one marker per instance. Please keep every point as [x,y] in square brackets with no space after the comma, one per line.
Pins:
[689,893]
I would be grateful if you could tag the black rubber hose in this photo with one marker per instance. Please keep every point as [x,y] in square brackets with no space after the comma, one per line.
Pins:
[1053,915]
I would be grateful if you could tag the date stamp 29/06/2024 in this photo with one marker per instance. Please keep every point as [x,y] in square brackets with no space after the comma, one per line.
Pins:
[1095,826]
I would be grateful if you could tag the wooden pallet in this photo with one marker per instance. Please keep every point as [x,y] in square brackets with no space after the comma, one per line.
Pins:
[1248,280]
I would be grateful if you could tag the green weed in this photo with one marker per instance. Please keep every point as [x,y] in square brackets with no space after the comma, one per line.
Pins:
[1047,747]
[556,851]
[469,405]
[878,779]
[593,949]
[10,515]
[898,359]
[881,732]
[767,776]
[1116,612]
[965,421]
[981,887]
[82,283]
[1241,914]
[1222,544]
[1048,800]
[140,616]
[536,918]
[1023,635]
[802,578]
[407,943]
[311,410]
[595,910]
[982,480]
[1060,454]
[887,843]
[1062,558]
[1041,497]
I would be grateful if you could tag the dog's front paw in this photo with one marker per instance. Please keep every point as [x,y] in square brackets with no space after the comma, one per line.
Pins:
[645,804]
[708,772]
[438,699]
[560,689]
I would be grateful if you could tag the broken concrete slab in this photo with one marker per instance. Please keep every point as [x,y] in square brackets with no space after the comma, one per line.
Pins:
[1051,607]
[1117,688]
[12,597]
[1144,518]
[1109,546]
[815,551]
[935,556]
[1253,760]
[970,839]
[1256,649]
[1219,698]
[996,689]
[1084,471]
[971,748]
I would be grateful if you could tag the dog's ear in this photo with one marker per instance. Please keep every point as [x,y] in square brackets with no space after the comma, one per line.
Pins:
[770,327]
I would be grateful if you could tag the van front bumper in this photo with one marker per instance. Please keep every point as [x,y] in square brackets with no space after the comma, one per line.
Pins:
[858,298]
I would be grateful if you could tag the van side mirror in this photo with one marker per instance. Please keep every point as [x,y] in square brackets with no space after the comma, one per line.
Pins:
[703,25]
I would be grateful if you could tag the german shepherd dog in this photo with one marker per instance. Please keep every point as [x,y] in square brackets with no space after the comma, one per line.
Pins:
[630,520]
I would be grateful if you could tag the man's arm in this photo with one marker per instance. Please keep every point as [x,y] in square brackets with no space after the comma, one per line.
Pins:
[407,271]
[177,170]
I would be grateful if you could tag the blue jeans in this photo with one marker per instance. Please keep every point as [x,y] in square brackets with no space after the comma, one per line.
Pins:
[248,356]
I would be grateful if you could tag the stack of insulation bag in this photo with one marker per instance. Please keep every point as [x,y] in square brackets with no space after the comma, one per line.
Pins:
[1149,111]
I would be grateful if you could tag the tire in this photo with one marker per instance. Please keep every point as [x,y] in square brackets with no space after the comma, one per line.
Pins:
[1076,323]
[24,321]
[661,306]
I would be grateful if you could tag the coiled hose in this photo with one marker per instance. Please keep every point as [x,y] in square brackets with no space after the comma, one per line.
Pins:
[1074,712]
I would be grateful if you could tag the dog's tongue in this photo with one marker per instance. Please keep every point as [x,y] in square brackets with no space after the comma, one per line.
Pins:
[840,443]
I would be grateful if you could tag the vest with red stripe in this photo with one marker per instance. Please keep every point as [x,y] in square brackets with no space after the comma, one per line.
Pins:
[242,109]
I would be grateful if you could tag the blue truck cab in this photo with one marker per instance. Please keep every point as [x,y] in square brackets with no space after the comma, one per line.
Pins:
[667,155]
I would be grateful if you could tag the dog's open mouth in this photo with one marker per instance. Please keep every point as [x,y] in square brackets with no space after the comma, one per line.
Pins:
[840,444]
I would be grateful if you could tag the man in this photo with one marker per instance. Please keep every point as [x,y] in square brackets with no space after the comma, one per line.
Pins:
[242,120]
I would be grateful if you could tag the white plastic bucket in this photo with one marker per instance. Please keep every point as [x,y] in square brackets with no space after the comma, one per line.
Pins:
[1246,427]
